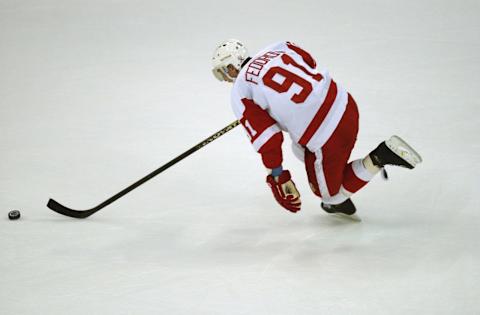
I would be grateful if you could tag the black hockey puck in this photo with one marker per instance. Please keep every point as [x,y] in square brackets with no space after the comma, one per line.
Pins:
[14,215]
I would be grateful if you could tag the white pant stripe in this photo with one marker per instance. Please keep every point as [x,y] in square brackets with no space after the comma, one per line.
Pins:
[322,182]
[341,196]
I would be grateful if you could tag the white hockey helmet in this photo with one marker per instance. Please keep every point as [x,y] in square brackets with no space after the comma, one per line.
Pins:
[230,52]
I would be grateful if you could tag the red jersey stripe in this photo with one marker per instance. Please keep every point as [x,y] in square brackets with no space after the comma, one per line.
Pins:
[320,115]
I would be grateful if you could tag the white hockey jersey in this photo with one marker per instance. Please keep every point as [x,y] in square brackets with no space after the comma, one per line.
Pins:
[281,88]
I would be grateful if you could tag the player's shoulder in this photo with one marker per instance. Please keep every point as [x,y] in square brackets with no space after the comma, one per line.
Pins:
[277,46]
[243,84]
[238,93]
[284,45]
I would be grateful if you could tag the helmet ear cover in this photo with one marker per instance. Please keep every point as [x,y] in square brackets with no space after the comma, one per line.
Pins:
[217,72]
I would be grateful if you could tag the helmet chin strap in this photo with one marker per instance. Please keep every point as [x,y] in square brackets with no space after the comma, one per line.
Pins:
[245,62]
[225,75]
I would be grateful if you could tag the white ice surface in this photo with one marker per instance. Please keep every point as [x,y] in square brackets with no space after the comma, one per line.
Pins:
[96,94]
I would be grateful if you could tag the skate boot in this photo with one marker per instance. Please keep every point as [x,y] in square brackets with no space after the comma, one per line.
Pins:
[345,209]
[395,151]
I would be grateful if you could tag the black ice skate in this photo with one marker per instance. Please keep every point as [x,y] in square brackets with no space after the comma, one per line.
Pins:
[345,209]
[395,151]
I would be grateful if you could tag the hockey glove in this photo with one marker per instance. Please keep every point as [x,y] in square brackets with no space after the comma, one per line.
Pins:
[284,191]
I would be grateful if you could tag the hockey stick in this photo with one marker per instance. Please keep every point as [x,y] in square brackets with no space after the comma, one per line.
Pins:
[81,214]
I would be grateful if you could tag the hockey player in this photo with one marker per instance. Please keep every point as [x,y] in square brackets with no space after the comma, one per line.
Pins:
[282,89]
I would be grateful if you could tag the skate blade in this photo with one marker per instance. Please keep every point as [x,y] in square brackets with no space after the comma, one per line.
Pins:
[401,148]
[352,217]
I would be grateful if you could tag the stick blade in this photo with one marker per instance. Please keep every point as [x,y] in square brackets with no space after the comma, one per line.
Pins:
[79,214]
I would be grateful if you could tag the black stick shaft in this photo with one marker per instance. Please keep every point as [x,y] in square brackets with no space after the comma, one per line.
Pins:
[171,163]
[57,207]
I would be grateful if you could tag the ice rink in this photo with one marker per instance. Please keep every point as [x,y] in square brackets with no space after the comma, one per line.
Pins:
[96,94]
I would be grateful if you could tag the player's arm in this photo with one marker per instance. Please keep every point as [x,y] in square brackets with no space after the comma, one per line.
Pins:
[267,138]
[263,132]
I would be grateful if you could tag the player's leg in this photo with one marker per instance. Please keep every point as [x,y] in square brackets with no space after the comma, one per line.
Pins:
[335,180]
[326,167]
[325,179]
[357,174]
[394,151]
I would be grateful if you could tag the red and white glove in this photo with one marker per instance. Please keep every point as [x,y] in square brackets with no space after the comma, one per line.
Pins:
[284,191]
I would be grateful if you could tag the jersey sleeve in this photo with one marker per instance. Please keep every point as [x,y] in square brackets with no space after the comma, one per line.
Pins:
[286,45]
[262,130]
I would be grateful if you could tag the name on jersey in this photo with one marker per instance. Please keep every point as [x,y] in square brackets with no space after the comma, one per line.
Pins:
[256,66]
